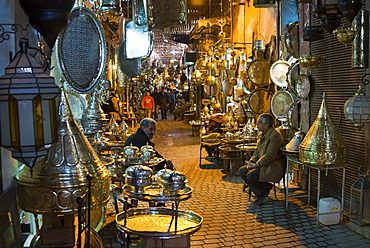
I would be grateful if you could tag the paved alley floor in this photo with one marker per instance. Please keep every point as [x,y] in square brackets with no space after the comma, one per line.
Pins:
[229,219]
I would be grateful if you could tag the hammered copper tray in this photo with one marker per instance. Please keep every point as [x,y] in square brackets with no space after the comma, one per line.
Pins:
[258,72]
[281,102]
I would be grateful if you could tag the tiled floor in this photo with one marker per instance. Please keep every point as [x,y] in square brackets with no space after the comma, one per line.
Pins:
[229,219]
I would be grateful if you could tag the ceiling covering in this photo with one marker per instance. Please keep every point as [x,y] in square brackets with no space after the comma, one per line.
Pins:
[168,50]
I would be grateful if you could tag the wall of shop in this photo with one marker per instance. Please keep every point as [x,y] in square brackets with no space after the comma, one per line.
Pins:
[339,80]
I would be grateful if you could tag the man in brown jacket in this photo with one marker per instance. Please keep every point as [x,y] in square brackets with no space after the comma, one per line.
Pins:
[267,163]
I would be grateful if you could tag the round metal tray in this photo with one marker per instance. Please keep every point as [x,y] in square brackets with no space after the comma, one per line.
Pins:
[232,141]
[188,215]
[157,193]
[247,147]
[151,162]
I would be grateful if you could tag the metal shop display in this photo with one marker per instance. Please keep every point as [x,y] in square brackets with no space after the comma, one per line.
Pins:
[160,223]
[323,144]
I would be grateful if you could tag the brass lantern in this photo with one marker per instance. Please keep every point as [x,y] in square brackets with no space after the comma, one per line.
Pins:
[360,200]
[357,109]
[28,108]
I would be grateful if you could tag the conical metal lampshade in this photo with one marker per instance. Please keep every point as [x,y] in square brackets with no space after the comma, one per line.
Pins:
[61,177]
[323,144]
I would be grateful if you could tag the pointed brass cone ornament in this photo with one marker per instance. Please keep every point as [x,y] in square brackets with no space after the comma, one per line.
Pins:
[323,145]
[61,177]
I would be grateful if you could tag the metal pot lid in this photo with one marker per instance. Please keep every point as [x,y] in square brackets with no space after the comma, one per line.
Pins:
[278,73]
[258,72]
[259,101]
[82,50]
[280,103]
[303,85]
[138,42]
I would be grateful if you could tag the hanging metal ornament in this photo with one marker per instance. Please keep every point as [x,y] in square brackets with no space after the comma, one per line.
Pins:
[48,17]
[349,8]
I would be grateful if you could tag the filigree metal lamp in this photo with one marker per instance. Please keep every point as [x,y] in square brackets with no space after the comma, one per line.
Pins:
[310,62]
[357,108]
[345,35]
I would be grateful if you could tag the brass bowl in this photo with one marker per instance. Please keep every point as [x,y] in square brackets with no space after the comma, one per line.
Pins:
[311,62]
[345,36]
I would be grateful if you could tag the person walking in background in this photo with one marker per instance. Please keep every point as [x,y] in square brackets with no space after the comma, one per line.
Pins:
[172,101]
[164,104]
[148,104]
[157,101]
[112,106]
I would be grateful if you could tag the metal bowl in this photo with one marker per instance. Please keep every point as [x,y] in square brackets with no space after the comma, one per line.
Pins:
[151,213]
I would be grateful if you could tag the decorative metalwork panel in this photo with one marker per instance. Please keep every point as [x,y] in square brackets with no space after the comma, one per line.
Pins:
[81,51]
[168,13]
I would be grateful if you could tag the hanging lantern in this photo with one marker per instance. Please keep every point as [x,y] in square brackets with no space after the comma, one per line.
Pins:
[28,108]
[360,200]
[48,17]
[357,109]
[349,8]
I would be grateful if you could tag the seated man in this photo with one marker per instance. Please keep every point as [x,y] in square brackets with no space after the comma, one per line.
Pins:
[267,162]
[143,136]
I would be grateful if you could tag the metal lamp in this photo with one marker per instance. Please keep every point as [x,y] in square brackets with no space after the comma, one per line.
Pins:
[357,108]
[360,200]
[28,108]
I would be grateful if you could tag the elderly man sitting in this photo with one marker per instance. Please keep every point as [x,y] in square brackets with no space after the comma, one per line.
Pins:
[143,136]
[267,162]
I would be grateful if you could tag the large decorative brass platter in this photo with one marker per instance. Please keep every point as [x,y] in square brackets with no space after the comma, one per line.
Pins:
[259,101]
[281,102]
[188,222]
[323,144]
[278,73]
[82,50]
[258,72]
